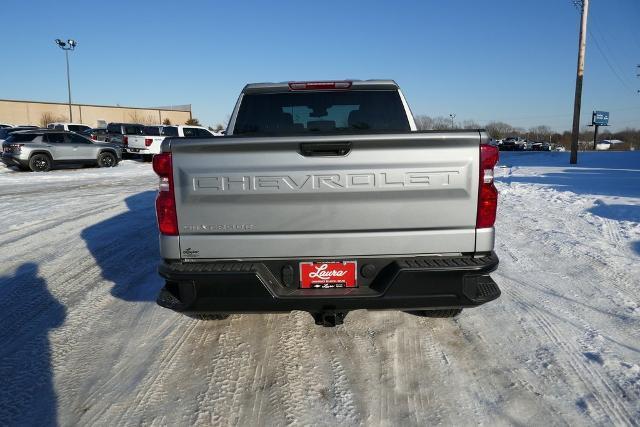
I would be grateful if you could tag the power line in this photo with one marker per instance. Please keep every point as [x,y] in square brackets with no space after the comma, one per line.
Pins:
[606,59]
[601,36]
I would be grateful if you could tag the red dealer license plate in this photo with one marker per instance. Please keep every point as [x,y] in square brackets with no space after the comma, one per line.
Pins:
[325,275]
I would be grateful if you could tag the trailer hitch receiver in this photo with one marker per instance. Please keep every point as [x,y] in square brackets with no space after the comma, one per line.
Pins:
[329,318]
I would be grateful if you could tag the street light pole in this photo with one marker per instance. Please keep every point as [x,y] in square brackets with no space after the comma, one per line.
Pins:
[453,116]
[66,54]
[67,46]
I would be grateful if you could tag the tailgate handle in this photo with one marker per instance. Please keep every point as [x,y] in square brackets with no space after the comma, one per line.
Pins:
[325,149]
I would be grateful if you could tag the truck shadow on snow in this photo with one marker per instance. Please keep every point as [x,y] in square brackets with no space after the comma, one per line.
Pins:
[28,312]
[125,248]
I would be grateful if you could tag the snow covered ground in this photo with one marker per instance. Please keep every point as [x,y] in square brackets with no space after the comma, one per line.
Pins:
[82,341]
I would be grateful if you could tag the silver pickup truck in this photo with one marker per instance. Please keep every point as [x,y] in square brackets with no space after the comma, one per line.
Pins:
[324,197]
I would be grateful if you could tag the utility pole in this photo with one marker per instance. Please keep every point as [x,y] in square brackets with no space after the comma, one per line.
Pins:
[578,96]
[67,46]
[452,116]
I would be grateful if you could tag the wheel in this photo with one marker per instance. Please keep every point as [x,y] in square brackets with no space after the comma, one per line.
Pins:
[40,163]
[107,160]
[208,316]
[450,312]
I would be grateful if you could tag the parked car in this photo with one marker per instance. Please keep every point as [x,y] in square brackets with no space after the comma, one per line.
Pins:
[540,146]
[96,134]
[43,149]
[512,143]
[612,144]
[118,133]
[324,197]
[149,142]
[72,127]
[5,125]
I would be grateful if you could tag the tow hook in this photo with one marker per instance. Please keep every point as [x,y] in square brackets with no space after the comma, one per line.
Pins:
[329,318]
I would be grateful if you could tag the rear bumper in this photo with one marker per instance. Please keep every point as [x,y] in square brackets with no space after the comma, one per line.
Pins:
[136,150]
[12,160]
[272,286]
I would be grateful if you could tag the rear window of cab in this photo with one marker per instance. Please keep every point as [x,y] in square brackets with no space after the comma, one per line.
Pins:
[321,112]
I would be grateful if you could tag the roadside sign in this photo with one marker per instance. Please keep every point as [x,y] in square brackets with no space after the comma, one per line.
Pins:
[600,118]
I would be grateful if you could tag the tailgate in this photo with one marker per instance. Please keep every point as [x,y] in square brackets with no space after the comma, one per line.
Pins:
[413,193]
[136,141]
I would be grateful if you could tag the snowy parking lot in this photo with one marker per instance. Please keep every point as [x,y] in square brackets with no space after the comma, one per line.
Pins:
[83,342]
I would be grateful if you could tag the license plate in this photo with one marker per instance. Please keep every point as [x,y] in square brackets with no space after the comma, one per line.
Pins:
[326,275]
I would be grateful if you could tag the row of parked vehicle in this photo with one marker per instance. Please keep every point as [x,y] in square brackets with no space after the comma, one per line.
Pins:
[516,143]
[41,149]
[145,140]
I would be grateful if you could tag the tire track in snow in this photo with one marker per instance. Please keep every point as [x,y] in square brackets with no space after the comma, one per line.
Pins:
[605,397]
[228,371]
[152,385]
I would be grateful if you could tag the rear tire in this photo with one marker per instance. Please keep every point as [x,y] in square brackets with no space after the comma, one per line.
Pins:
[107,160]
[450,312]
[40,163]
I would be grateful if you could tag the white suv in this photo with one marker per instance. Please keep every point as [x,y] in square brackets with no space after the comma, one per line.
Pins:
[72,127]
[149,142]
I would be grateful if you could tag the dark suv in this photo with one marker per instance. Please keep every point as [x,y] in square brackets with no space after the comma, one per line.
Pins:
[118,133]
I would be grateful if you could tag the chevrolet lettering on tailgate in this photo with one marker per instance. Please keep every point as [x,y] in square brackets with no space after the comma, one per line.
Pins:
[362,181]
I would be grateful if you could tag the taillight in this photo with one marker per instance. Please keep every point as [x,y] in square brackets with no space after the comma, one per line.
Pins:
[487,193]
[15,148]
[148,142]
[125,140]
[166,200]
[319,85]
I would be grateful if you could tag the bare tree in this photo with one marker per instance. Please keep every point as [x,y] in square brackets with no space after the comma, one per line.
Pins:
[135,117]
[423,122]
[498,130]
[470,124]
[48,117]
[442,123]
[540,133]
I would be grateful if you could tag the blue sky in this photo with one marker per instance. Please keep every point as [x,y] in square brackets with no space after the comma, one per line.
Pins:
[510,60]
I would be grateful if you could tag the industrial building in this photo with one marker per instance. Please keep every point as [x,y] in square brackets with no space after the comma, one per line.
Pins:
[18,112]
